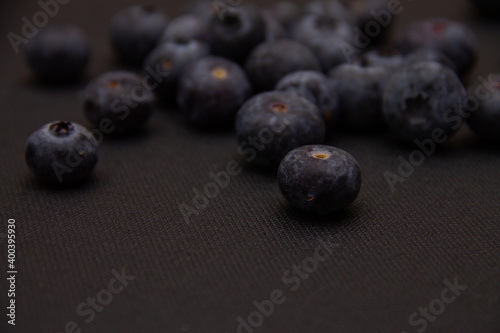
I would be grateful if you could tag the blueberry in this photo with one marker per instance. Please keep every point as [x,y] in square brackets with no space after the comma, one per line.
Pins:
[332,8]
[284,11]
[204,9]
[421,100]
[271,61]
[171,59]
[185,28]
[274,29]
[319,179]
[58,53]
[61,152]
[317,89]
[428,54]
[360,90]
[211,90]
[485,120]
[273,123]
[135,31]
[363,11]
[454,39]
[324,35]
[117,102]
[385,57]
[236,31]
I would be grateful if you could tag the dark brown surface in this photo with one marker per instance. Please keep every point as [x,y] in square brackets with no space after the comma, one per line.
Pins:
[394,249]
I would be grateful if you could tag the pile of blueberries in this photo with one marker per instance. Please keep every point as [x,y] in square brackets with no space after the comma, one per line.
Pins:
[282,77]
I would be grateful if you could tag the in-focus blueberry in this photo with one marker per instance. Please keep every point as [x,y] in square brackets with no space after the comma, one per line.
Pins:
[61,153]
[211,90]
[58,54]
[317,89]
[273,123]
[118,103]
[319,179]
[423,99]
[271,61]
[135,31]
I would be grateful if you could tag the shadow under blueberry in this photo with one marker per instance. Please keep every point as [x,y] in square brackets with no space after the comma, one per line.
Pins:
[80,187]
[335,220]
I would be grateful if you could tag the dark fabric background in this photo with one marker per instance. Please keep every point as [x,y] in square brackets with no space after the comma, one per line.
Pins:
[393,252]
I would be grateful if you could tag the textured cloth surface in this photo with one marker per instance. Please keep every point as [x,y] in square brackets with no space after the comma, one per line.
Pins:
[386,257]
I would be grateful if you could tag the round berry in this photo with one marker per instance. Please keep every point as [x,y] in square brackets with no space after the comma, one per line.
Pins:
[485,115]
[454,39]
[211,90]
[317,89]
[58,53]
[271,124]
[319,179]
[271,61]
[61,152]
[135,31]
[117,102]
[421,99]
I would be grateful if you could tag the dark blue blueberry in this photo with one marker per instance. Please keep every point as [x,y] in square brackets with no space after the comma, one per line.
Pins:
[271,61]
[422,99]
[360,90]
[236,31]
[58,53]
[135,31]
[324,35]
[317,89]
[118,102]
[485,120]
[61,152]
[211,90]
[204,9]
[284,11]
[319,179]
[454,39]
[274,29]
[363,12]
[428,54]
[384,57]
[185,28]
[333,8]
[170,59]
[271,124]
